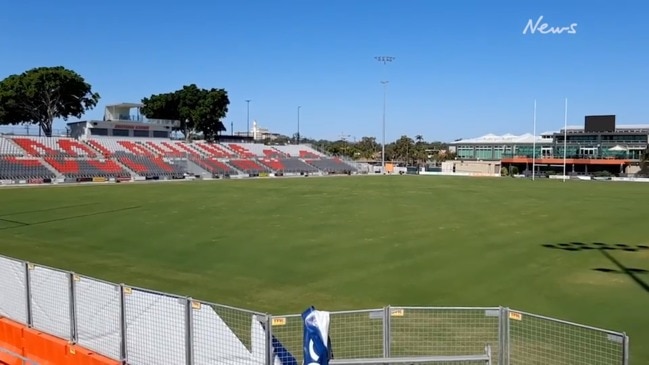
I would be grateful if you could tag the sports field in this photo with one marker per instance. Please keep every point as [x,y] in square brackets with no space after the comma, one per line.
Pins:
[279,245]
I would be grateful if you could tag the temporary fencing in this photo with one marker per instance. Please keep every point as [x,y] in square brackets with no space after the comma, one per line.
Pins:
[49,312]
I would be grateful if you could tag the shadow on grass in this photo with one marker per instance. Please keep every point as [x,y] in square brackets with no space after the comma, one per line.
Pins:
[20,224]
[5,214]
[605,249]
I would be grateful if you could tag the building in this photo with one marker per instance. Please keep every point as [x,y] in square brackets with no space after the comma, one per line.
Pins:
[123,120]
[261,134]
[599,145]
[492,147]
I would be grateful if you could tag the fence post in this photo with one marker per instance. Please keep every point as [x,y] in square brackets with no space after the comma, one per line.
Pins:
[626,349]
[387,314]
[506,338]
[189,331]
[501,335]
[28,291]
[270,351]
[123,351]
[73,307]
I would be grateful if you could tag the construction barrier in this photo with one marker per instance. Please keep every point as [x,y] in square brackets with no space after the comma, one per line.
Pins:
[43,349]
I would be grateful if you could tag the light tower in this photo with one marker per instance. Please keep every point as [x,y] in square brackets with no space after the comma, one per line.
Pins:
[384,60]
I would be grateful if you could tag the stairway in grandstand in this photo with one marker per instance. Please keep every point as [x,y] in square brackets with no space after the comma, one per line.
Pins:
[103,158]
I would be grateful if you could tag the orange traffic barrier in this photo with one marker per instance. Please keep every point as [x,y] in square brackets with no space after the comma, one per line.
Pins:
[11,335]
[7,358]
[43,348]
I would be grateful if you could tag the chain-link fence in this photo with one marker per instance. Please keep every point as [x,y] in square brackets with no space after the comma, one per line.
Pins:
[140,326]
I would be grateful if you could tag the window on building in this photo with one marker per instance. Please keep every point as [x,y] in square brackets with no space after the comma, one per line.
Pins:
[121,132]
[160,134]
[137,133]
[98,131]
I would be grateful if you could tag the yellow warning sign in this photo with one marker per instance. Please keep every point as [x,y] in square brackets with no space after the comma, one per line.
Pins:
[515,316]
[280,321]
[396,312]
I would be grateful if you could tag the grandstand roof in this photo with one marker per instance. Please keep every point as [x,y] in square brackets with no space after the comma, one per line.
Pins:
[542,137]
[126,105]
[504,139]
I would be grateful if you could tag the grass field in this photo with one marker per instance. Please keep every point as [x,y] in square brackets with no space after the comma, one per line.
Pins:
[280,245]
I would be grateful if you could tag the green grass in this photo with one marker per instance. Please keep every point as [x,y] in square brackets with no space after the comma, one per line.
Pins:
[279,245]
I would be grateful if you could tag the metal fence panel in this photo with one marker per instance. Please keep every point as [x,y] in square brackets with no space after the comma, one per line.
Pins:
[13,301]
[357,334]
[288,330]
[98,316]
[227,335]
[50,300]
[443,331]
[354,334]
[535,339]
[155,327]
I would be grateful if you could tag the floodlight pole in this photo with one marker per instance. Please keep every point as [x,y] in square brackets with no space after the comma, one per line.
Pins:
[384,60]
[298,124]
[248,118]
[565,137]
[534,145]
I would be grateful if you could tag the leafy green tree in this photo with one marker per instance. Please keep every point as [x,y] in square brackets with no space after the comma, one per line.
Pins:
[198,110]
[367,148]
[404,149]
[42,94]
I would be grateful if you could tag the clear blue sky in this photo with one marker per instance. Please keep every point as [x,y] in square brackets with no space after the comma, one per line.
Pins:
[462,68]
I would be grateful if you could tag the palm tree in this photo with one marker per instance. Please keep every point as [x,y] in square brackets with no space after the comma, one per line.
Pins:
[419,138]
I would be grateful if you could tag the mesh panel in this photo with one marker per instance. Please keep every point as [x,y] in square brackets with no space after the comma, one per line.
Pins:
[357,334]
[288,330]
[13,290]
[50,301]
[443,331]
[155,328]
[540,340]
[98,316]
[226,335]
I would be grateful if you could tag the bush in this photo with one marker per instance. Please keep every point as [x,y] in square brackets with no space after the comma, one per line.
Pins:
[513,170]
[602,174]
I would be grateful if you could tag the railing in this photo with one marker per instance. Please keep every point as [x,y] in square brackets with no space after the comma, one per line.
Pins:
[140,326]
[29,130]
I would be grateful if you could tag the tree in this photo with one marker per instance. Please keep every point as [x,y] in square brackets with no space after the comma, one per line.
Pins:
[367,148]
[198,110]
[403,150]
[42,94]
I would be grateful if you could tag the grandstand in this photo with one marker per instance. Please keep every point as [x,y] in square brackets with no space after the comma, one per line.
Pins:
[124,147]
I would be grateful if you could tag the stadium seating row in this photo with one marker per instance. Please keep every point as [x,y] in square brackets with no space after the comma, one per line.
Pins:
[67,147]
[25,158]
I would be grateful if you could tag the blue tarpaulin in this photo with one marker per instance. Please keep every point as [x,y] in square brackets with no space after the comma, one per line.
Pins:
[316,343]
